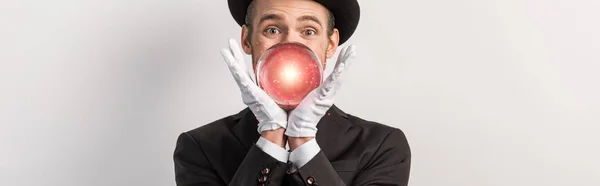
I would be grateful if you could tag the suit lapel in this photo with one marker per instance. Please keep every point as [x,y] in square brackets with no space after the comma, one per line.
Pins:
[245,129]
[332,134]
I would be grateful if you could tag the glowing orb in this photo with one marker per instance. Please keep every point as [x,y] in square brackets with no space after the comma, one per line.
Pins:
[287,72]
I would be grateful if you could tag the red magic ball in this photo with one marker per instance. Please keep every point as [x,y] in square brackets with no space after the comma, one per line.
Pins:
[288,72]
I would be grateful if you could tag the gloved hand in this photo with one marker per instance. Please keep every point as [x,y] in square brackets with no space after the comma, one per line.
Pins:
[303,119]
[269,115]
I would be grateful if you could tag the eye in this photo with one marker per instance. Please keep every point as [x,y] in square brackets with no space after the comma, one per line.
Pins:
[272,31]
[309,32]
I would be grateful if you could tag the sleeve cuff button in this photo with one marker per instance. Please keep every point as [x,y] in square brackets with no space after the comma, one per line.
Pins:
[266,171]
[311,181]
[262,179]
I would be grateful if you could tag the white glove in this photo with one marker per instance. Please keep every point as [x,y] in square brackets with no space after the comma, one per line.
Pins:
[303,119]
[269,115]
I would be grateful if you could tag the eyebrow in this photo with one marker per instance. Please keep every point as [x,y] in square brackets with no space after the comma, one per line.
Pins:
[276,17]
[310,18]
[265,17]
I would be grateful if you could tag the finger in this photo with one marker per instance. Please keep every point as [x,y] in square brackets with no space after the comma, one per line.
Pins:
[340,56]
[342,62]
[350,52]
[239,58]
[334,79]
[237,71]
[251,74]
[331,80]
[229,59]
[343,51]
[231,64]
[337,72]
[235,49]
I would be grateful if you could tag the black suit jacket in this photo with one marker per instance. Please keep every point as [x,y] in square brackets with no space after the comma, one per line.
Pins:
[353,152]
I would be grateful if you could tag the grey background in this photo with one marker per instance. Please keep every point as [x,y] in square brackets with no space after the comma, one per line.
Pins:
[488,92]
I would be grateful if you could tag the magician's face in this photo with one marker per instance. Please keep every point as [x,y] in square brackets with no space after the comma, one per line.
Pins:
[277,21]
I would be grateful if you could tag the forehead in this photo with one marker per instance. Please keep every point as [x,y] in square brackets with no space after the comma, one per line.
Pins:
[290,8]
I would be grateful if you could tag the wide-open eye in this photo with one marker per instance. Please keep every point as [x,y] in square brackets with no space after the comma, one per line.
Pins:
[309,32]
[272,30]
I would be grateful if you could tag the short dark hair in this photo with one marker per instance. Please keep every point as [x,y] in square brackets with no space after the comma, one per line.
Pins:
[251,10]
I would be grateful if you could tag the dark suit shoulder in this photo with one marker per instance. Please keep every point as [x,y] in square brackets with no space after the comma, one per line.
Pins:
[374,128]
[371,136]
[216,129]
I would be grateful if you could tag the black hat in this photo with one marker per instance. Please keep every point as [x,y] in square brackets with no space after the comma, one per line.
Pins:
[346,13]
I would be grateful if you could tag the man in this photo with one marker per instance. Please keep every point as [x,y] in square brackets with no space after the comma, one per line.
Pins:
[326,146]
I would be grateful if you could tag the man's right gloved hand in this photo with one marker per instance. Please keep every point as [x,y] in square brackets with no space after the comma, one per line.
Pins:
[269,115]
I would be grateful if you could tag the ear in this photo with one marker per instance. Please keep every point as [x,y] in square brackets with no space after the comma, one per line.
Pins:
[246,40]
[334,40]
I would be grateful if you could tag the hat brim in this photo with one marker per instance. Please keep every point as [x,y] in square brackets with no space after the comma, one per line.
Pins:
[346,13]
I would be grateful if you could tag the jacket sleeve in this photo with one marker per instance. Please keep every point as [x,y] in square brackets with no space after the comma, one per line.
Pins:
[390,166]
[193,168]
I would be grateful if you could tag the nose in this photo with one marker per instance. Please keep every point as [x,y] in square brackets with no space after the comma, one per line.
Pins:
[291,36]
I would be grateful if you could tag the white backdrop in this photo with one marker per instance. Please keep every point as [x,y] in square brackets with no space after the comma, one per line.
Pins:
[488,92]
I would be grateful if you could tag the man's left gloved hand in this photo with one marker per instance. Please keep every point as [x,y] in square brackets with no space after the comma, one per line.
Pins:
[302,121]
[269,115]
